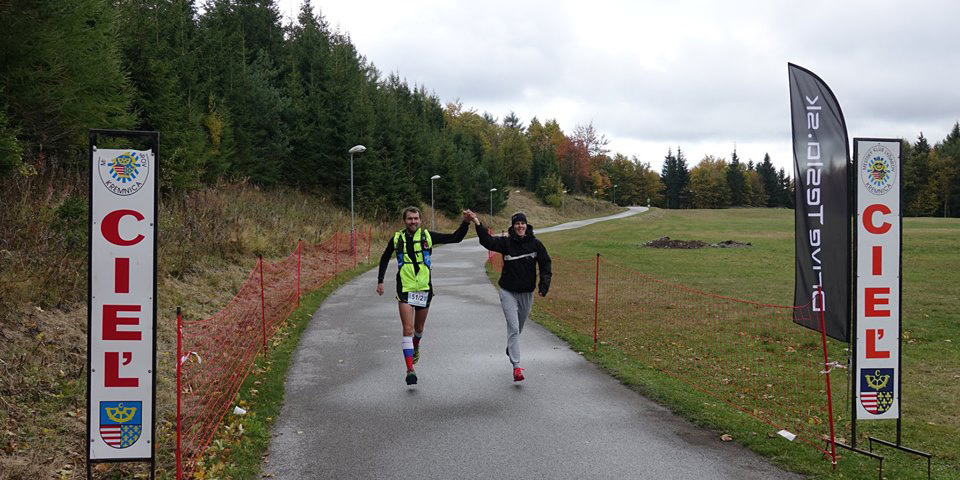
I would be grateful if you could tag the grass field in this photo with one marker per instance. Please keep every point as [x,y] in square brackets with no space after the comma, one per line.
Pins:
[764,273]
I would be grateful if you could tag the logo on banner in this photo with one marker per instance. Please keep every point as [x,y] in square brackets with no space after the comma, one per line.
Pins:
[120,423]
[125,174]
[876,389]
[878,169]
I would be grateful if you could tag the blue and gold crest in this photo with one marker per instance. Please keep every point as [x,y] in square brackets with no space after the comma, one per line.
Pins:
[876,389]
[120,423]
[125,168]
[878,169]
[123,172]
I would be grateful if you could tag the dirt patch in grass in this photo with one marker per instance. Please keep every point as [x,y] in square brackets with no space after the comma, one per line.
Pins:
[667,242]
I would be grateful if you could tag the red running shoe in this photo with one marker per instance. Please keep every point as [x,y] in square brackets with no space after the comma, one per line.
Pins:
[518,374]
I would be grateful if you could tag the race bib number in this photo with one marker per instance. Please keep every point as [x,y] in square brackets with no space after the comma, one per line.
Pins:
[417,299]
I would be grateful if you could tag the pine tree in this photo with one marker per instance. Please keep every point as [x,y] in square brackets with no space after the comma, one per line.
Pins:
[771,185]
[158,47]
[240,44]
[62,74]
[785,190]
[916,177]
[736,182]
[514,151]
[675,177]
[950,149]
[307,82]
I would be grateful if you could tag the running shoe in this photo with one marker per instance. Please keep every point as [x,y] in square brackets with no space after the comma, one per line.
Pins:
[518,374]
[416,354]
[412,378]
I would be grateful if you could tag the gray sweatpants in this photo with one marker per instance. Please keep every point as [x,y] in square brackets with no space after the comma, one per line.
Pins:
[516,309]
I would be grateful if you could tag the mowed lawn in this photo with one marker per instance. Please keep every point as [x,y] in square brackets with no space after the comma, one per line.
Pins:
[764,273]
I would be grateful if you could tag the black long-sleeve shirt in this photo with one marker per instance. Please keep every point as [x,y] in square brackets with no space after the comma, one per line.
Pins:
[436,238]
[521,258]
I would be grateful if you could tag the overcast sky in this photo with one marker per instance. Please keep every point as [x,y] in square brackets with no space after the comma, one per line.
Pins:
[704,75]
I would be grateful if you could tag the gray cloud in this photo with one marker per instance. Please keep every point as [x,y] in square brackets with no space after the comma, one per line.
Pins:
[651,74]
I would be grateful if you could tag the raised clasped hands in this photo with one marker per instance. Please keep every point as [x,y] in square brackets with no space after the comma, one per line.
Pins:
[470,216]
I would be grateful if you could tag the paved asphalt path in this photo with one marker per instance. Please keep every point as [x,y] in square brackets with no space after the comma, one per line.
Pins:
[348,414]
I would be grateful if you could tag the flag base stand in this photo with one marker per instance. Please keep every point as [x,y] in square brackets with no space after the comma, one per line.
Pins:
[868,454]
[897,446]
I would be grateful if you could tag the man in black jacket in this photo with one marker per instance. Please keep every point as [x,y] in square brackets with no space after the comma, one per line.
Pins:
[522,254]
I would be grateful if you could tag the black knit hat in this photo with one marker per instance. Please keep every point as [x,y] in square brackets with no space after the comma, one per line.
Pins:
[518,217]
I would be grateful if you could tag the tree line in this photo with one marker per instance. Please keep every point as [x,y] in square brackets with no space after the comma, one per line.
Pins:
[237,94]
[717,183]
[930,176]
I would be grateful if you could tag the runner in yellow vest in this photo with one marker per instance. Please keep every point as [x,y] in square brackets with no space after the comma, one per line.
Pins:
[413,247]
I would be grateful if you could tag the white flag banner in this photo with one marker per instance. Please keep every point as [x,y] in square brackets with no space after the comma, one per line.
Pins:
[878,167]
[122,288]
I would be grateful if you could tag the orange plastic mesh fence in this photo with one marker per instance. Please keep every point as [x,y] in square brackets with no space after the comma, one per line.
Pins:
[218,352]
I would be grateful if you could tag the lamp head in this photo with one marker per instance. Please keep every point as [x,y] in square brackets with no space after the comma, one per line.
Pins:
[358,149]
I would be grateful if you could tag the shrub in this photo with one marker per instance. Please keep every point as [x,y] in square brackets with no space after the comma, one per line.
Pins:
[550,190]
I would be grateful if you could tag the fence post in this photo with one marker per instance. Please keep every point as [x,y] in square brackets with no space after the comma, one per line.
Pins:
[299,248]
[336,254]
[179,373]
[263,304]
[596,303]
[826,371]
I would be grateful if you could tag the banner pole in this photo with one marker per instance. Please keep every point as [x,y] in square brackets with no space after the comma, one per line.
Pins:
[179,389]
[826,368]
[852,282]
[88,439]
[900,306]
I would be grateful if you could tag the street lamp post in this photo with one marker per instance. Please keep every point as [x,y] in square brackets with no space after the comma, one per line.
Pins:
[594,201]
[353,235]
[614,194]
[491,202]
[433,212]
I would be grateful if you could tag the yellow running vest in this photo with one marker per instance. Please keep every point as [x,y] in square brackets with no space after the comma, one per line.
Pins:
[414,272]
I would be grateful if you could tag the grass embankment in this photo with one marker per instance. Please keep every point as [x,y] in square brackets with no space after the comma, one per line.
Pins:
[208,244]
[764,273]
